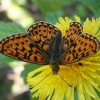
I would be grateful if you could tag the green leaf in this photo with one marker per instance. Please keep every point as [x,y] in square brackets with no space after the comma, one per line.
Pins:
[49,5]
[28,68]
[53,17]
[7,29]
[93,5]
[6,60]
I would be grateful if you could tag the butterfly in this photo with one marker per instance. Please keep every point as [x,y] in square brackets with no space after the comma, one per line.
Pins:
[44,44]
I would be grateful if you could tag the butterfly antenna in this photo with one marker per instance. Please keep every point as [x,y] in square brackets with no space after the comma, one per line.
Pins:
[39,81]
[64,80]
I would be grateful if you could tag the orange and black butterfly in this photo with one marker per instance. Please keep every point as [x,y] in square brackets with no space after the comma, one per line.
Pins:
[44,44]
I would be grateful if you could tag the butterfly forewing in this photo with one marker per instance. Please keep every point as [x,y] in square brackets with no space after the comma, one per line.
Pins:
[43,34]
[20,47]
[75,29]
[84,46]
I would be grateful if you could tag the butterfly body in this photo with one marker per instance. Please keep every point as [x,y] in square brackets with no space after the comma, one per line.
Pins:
[55,55]
[43,44]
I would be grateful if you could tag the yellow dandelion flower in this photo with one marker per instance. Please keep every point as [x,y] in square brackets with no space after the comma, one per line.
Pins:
[82,77]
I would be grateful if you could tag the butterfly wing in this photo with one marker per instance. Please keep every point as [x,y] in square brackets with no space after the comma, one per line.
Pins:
[44,35]
[75,29]
[84,46]
[20,47]
[32,47]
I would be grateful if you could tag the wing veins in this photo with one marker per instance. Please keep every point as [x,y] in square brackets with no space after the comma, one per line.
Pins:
[42,51]
[86,54]
[69,47]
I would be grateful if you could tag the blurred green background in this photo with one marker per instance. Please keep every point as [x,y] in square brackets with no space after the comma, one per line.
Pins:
[15,17]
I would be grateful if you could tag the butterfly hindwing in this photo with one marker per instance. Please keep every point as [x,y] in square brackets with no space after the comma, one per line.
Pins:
[84,46]
[20,47]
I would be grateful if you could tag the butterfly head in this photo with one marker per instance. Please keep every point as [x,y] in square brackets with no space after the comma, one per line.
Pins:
[55,67]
